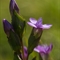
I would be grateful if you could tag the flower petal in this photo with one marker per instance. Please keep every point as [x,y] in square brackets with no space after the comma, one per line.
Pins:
[32,20]
[46,26]
[36,50]
[50,48]
[39,23]
[31,24]
[39,20]
[39,49]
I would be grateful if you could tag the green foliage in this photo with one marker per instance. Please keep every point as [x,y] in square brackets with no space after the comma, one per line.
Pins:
[14,41]
[48,9]
[16,57]
[18,23]
[40,58]
[34,39]
[34,58]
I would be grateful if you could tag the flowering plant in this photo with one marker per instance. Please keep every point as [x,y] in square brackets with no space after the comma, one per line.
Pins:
[15,33]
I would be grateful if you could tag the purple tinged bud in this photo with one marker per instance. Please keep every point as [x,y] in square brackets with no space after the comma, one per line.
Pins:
[13,6]
[7,26]
[25,53]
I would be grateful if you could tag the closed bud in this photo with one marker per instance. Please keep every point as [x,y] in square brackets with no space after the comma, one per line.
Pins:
[7,26]
[13,6]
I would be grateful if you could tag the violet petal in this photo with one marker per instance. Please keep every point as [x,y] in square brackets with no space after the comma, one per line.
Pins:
[46,26]
[39,49]
[31,24]
[39,23]
[50,48]
[32,20]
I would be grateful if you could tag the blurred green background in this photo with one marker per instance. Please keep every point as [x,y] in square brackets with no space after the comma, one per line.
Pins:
[49,10]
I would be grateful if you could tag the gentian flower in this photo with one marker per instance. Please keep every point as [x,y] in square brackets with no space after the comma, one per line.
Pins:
[38,24]
[7,26]
[13,6]
[44,50]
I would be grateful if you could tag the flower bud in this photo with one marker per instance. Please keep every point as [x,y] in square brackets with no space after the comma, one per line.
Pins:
[13,6]
[7,26]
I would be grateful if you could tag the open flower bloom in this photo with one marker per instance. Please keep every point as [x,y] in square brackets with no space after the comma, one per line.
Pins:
[43,49]
[38,24]
[13,6]
[7,26]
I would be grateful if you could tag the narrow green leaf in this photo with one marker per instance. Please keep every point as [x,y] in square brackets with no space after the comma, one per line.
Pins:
[34,39]
[14,41]
[18,23]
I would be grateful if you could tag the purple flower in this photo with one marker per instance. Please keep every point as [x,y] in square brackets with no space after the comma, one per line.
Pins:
[25,53]
[7,26]
[38,24]
[43,49]
[13,6]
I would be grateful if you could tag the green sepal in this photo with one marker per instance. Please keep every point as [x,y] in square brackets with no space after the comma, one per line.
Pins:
[34,39]
[34,58]
[46,57]
[18,23]
[14,41]
[40,58]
